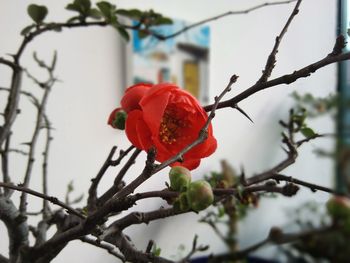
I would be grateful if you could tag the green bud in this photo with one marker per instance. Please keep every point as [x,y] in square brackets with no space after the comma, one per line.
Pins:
[200,195]
[117,119]
[339,207]
[180,177]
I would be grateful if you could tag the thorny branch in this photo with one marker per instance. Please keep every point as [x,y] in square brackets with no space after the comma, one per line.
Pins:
[285,79]
[271,60]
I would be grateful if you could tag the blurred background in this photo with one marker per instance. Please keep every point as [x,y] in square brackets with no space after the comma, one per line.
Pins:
[93,67]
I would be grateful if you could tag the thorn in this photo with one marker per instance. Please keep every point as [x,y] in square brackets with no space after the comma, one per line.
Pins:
[243,112]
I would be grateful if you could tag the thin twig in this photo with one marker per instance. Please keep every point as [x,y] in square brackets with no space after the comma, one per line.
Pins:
[51,199]
[194,250]
[229,13]
[313,187]
[285,79]
[110,248]
[32,145]
[117,181]
[315,136]
[271,60]
[95,181]
[290,159]
[46,208]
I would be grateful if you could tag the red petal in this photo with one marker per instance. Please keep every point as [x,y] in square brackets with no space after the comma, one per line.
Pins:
[137,131]
[153,105]
[133,95]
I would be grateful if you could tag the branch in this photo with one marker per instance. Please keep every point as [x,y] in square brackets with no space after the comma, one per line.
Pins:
[194,250]
[110,248]
[229,13]
[51,199]
[313,187]
[46,208]
[270,63]
[131,254]
[285,79]
[276,236]
[3,259]
[16,226]
[291,157]
[117,181]
[4,164]
[32,145]
[95,181]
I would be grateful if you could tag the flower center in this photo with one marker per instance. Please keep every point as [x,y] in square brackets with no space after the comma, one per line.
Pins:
[171,127]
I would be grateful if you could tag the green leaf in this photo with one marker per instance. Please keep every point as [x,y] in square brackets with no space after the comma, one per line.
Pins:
[37,12]
[26,30]
[73,19]
[307,132]
[349,32]
[163,21]
[156,251]
[108,11]
[132,13]
[81,6]
[122,31]
[94,13]
[73,7]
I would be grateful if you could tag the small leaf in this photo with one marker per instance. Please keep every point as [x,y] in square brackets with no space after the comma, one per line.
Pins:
[37,12]
[122,32]
[132,13]
[307,132]
[73,7]
[73,19]
[81,6]
[94,13]
[26,30]
[349,32]
[108,11]
[163,21]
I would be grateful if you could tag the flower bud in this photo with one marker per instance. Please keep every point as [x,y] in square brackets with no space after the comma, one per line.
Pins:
[180,177]
[181,203]
[339,207]
[117,119]
[200,195]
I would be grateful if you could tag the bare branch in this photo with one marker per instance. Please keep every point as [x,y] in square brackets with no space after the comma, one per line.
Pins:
[110,248]
[229,13]
[118,180]
[51,199]
[271,60]
[46,208]
[313,187]
[32,145]
[291,157]
[276,236]
[285,79]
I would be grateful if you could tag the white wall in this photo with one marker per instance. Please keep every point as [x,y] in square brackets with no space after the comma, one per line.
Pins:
[90,67]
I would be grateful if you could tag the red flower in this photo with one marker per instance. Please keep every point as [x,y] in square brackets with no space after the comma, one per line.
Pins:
[168,118]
